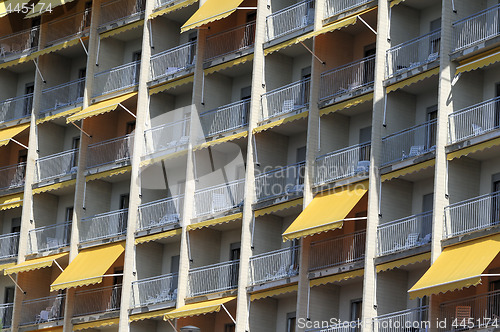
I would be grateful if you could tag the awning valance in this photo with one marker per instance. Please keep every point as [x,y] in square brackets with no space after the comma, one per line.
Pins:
[280,122]
[108,174]
[346,104]
[171,85]
[199,308]
[114,32]
[221,140]
[59,115]
[473,148]
[149,315]
[336,278]
[278,207]
[273,292]
[100,108]
[404,262]
[9,133]
[216,221]
[408,170]
[211,10]
[479,61]
[34,264]
[96,324]
[158,236]
[11,201]
[172,8]
[412,80]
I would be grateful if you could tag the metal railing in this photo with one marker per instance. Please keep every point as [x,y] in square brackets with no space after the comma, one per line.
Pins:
[409,143]
[404,233]
[163,212]
[117,78]
[290,19]
[347,78]
[16,108]
[19,42]
[94,301]
[103,226]
[219,198]
[62,95]
[472,214]
[67,27]
[230,41]
[476,28]
[57,165]
[413,53]
[46,309]
[110,151]
[286,99]
[154,290]
[337,251]
[49,237]
[414,320]
[9,245]
[170,137]
[6,311]
[342,163]
[283,180]
[115,10]
[474,120]
[346,326]
[274,265]
[12,176]
[213,278]
[173,60]
[161,3]
[334,7]
[225,118]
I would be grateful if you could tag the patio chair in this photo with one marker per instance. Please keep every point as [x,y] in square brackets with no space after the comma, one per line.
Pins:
[219,202]
[415,150]
[363,166]
[478,130]
[287,105]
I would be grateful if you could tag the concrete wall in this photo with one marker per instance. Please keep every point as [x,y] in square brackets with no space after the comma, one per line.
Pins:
[463,179]
[6,219]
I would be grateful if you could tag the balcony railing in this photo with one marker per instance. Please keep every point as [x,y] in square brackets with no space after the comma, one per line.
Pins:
[16,108]
[57,165]
[67,27]
[342,163]
[170,137]
[274,265]
[286,99]
[46,309]
[6,311]
[154,290]
[62,95]
[337,251]
[476,28]
[173,60]
[472,214]
[290,19]
[219,198]
[95,301]
[334,7]
[281,181]
[230,41]
[49,237]
[12,176]
[115,10]
[405,233]
[117,78]
[409,143]
[213,278]
[474,120]
[405,320]
[348,78]
[346,326]
[103,226]
[19,42]
[160,213]
[225,118]
[9,245]
[162,3]
[413,53]
[111,151]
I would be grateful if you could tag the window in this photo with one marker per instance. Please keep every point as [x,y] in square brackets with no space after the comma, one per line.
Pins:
[130,127]
[431,129]
[122,222]
[88,13]
[35,32]
[229,327]
[290,322]
[234,255]
[28,102]
[82,73]
[497,105]
[75,144]
[356,308]
[136,56]
[7,313]
[436,39]
[495,206]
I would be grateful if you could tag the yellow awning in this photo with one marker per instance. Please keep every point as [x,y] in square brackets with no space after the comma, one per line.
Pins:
[412,80]
[18,61]
[11,201]
[34,264]
[9,133]
[278,207]
[54,186]
[51,329]
[149,315]
[408,170]
[273,292]
[59,115]
[457,267]
[210,11]
[5,9]
[346,104]
[479,61]
[336,278]
[273,124]
[474,148]
[216,221]
[108,174]
[166,156]
[404,262]
[89,266]
[96,324]
[171,85]
[56,47]
[158,236]
[326,212]
[6,266]
[43,6]
[123,28]
[172,8]
[199,308]
[228,64]
[221,140]
[100,108]
[395,2]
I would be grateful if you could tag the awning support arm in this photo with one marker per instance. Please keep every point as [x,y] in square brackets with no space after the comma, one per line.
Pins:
[84,48]
[453,6]
[170,322]
[455,79]
[128,111]
[97,54]
[189,246]
[203,88]
[314,55]
[38,70]
[17,285]
[308,303]
[255,151]
[59,266]
[151,35]
[227,312]
[83,131]
[369,27]
[253,231]
[19,143]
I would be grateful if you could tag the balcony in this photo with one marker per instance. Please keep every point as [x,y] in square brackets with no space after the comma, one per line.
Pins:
[12,176]
[164,3]
[288,180]
[477,28]
[342,163]
[337,251]
[213,278]
[49,237]
[13,45]
[116,150]
[96,301]
[116,10]
[63,95]
[219,198]
[156,290]
[103,226]
[234,40]
[335,7]
[16,108]
[409,143]
[284,100]
[413,53]
[173,61]
[346,326]
[475,120]
[168,138]
[46,309]
[410,319]
[57,165]
[472,215]
[117,78]
[161,213]
[68,27]
[404,234]
[274,265]
[6,315]
[9,245]
[225,118]
[290,19]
